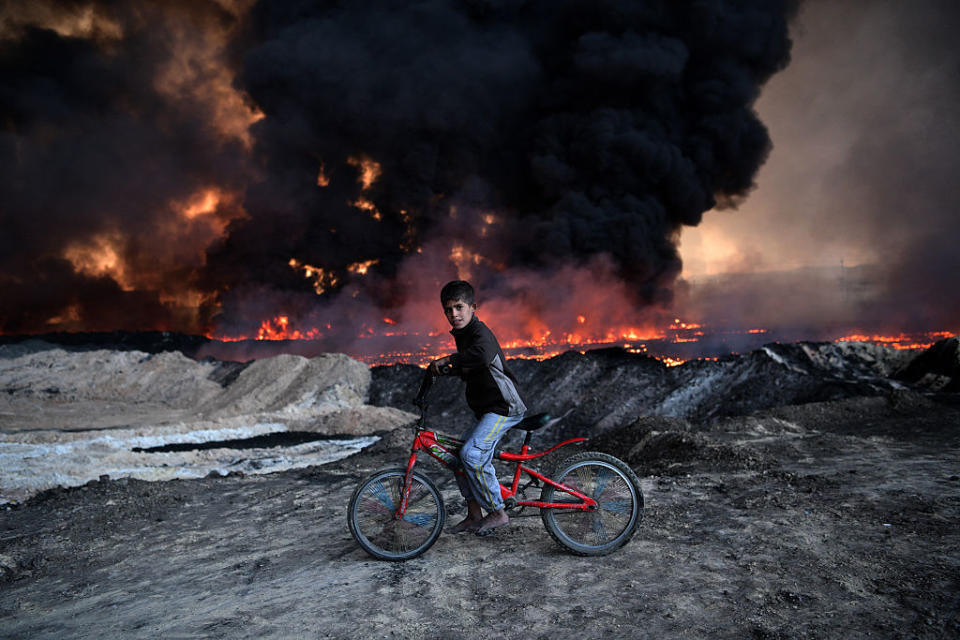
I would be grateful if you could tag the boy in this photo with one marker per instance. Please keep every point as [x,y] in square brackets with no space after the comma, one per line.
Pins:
[492,394]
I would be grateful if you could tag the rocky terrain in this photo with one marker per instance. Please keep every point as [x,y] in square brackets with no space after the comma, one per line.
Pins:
[799,491]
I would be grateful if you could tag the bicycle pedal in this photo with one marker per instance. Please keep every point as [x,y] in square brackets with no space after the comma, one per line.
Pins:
[510,503]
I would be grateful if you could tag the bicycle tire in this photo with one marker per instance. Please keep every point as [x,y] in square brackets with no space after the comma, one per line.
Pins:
[609,481]
[370,515]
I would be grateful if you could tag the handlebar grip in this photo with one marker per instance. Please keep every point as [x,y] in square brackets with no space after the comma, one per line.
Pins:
[425,383]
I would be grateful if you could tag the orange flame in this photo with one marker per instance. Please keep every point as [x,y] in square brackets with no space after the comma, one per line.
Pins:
[677,324]
[465,260]
[538,316]
[202,203]
[361,268]
[321,278]
[365,205]
[278,328]
[369,170]
[322,179]
[100,256]
[539,343]
[901,341]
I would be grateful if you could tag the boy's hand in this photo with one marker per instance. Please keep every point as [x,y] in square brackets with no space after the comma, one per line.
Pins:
[435,366]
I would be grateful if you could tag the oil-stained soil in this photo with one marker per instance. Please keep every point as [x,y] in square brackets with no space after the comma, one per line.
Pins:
[835,519]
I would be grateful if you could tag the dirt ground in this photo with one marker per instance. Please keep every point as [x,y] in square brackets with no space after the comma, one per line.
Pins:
[827,520]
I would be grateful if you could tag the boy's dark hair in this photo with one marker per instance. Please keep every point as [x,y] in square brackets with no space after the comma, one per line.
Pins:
[457,290]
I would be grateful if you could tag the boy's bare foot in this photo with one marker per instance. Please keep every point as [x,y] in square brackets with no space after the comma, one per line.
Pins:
[467,525]
[493,520]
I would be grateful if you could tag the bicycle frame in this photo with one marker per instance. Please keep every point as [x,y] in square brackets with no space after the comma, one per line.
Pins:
[445,449]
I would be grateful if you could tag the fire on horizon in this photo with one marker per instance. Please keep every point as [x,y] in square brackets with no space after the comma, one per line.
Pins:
[674,344]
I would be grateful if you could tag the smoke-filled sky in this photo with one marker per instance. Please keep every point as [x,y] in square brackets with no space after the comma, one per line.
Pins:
[865,124]
[206,165]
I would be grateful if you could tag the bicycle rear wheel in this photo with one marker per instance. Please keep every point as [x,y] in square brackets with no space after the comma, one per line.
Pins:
[616,489]
[372,509]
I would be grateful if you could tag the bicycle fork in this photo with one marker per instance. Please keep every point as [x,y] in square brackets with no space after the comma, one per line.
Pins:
[407,483]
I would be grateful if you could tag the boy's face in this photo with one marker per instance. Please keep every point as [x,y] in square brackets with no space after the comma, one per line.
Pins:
[459,313]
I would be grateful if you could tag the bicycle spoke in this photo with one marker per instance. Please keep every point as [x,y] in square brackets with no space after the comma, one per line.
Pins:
[585,480]
[420,519]
[383,495]
[601,479]
[417,496]
[620,506]
[372,506]
[396,486]
[599,531]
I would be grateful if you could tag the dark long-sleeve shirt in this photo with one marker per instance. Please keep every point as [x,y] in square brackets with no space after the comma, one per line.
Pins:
[491,386]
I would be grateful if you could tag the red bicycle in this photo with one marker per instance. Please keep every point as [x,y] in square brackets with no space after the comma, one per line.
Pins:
[591,504]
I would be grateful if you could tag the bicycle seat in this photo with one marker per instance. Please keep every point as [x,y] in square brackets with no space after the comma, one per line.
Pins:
[534,422]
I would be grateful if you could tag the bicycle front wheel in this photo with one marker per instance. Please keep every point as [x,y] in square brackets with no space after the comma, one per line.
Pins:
[372,515]
[614,486]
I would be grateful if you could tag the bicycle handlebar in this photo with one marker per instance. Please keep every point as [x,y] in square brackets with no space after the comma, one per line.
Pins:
[427,383]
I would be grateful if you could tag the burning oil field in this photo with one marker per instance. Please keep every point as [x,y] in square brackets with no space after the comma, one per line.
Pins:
[248,170]
[717,237]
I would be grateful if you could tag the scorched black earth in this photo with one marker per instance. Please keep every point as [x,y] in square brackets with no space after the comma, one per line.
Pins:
[835,518]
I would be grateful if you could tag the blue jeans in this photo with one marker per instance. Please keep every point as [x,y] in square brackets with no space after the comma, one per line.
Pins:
[479,479]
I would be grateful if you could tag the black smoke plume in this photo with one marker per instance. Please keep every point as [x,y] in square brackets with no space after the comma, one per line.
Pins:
[108,120]
[586,129]
[536,136]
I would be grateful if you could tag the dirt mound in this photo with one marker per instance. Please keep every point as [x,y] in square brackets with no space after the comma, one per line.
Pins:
[59,376]
[670,446]
[677,452]
[395,443]
[113,387]
[358,421]
[623,439]
[937,368]
[901,415]
[851,358]
[292,385]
